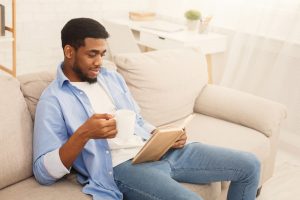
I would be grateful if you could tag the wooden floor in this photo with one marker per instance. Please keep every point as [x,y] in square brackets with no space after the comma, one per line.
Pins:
[285,183]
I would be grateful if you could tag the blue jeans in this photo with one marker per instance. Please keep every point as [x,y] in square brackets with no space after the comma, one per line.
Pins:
[195,163]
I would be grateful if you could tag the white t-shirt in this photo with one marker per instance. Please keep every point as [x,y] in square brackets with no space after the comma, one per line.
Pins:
[101,103]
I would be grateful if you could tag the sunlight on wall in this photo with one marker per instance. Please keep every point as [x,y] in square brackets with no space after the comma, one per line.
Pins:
[247,16]
[39,24]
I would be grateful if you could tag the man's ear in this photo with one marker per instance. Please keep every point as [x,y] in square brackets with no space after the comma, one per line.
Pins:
[68,51]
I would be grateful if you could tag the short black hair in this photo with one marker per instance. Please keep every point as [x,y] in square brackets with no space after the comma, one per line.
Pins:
[76,30]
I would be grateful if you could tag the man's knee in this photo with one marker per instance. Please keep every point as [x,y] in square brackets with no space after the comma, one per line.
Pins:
[252,165]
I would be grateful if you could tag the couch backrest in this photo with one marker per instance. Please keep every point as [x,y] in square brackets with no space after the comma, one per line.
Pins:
[15,133]
[32,86]
[165,83]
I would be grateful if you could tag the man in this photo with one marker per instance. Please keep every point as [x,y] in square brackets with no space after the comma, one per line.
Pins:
[74,124]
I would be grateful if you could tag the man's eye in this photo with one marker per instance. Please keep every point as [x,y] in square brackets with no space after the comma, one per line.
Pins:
[92,54]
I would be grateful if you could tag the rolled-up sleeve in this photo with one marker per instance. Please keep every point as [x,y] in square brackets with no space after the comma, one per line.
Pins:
[54,165]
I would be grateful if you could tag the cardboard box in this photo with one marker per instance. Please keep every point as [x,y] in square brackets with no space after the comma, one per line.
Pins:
[142,16]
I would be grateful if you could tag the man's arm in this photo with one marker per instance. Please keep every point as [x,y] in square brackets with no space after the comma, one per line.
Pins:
[99,126]
[54,151]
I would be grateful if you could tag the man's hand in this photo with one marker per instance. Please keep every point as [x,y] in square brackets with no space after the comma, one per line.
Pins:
[99,126]
[96,127]
[181,141]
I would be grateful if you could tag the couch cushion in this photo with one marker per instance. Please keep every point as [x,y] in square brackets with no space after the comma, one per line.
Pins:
[221,133]
[241,108]
[29,189]
[15,133]
[164,83]
[32,86]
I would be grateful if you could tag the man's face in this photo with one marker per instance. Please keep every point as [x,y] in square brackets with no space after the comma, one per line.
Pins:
[88,60]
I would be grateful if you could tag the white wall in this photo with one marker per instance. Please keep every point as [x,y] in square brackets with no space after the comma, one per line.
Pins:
[39,23]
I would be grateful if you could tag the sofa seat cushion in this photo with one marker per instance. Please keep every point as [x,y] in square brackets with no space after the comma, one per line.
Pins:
[69,189]
[29,189]
[164,83]
[210,191]
[221,133]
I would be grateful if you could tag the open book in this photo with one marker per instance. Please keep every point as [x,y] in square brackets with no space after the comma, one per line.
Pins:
[160,142]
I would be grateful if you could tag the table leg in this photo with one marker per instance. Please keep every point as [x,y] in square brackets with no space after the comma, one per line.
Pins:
[209,68]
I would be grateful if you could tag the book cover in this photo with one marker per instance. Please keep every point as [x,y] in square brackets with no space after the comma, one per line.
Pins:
[160,142]
[2,20]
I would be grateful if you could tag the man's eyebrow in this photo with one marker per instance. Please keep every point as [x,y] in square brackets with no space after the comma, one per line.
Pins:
[97,51]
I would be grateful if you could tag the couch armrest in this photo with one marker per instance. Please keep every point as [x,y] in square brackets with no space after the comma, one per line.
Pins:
[241,108]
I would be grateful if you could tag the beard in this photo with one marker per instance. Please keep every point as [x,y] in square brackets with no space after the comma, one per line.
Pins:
[82,76]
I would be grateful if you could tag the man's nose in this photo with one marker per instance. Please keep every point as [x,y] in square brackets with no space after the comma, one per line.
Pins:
[98,60]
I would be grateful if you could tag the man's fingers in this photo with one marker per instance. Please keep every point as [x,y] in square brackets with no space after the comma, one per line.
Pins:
[108,129]
[103,116]
[112,133]
[106,132]
[101,123]
[180,142]
[183,137]
[178,146]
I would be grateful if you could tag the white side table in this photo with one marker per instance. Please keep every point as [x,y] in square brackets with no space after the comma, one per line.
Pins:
[208,43]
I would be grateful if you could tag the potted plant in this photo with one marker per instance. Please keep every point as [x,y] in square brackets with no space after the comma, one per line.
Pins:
[193,17]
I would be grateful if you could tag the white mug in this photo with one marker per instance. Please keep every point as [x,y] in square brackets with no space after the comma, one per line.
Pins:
[125,120]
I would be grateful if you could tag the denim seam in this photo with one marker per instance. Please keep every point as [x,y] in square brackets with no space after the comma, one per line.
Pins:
[138,191]
[196,169]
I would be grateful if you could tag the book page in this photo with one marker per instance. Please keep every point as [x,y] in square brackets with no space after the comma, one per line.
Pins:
[159,143]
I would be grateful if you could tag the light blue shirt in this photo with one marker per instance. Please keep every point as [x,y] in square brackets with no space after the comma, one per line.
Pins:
[62,108]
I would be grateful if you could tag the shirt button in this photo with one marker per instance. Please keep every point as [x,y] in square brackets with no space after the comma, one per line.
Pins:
[80,92]
[107,152]
[110,172]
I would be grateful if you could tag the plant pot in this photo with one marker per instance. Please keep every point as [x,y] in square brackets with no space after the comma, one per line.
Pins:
[203,27]
[192,25]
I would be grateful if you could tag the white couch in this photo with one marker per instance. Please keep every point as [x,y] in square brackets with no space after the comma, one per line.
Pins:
[168,85]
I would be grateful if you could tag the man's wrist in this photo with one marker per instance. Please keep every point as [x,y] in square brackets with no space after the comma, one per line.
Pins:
[82,134]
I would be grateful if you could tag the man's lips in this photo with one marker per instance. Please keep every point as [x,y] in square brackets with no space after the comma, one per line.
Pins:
[95,71]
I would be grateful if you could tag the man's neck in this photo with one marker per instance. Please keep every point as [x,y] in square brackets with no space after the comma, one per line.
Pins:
[68,72]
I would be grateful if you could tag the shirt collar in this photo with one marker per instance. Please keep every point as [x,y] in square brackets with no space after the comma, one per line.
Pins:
[61,77]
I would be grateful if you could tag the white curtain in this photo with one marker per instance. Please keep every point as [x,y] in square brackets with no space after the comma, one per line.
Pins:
[264,47]
[264,55]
